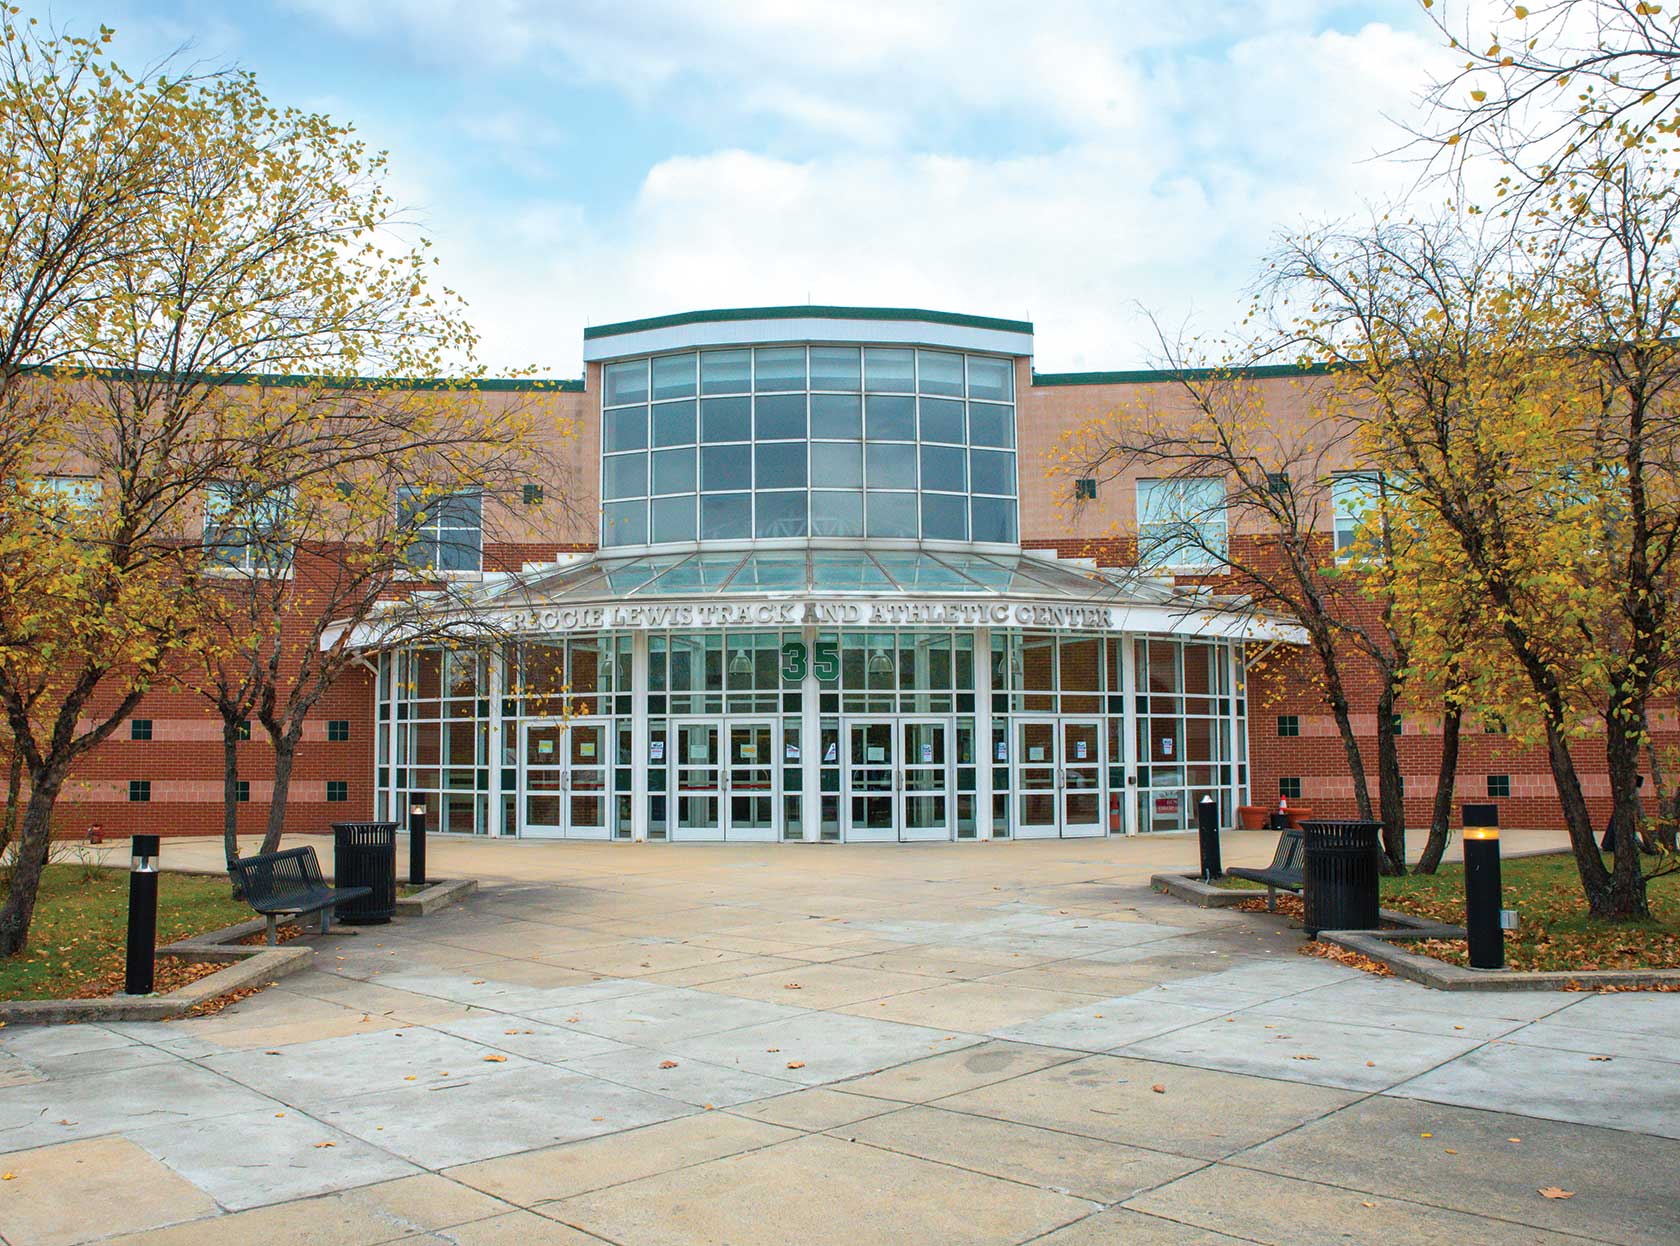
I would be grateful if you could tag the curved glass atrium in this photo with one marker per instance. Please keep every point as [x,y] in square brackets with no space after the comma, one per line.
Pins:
[788,442]
[811,618]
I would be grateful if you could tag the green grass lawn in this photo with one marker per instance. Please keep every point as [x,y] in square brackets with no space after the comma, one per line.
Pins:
[76,944]
[1554,931]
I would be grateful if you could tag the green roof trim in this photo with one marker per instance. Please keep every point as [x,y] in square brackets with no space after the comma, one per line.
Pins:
[1157,376]
[281,380]
[807,311]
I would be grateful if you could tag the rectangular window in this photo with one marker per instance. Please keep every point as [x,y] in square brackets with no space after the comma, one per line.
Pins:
[673,376]
[242,791]
[338,791]
[1288,725]
[1085,489]
[245,527]
[1399,725]
[67,493]
[140,729]
[1499,785]
[1181,523]
[338,729]
[243,730]
[139,791]
[446,529]
[835,367]
[1290,788]
[531,495]
[1352,497]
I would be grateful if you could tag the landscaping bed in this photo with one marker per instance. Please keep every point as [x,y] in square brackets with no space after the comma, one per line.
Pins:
[1554,934]
[77,941]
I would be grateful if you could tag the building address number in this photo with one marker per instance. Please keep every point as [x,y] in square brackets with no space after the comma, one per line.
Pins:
[823,658]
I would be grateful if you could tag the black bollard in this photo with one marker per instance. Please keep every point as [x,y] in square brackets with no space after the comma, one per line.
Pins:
[417,843]
[140,975]
[1207,831]
[1483,898]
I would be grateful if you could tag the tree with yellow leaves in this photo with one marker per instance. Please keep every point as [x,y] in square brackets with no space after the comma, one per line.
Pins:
[171,244]
[1517,388]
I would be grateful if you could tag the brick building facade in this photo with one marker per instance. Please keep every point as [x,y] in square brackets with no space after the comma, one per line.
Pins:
[162,773]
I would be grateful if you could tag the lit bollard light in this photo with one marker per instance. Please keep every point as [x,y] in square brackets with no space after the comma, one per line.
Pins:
[140,973]
[1483,898]
[417,843]
[1207,832]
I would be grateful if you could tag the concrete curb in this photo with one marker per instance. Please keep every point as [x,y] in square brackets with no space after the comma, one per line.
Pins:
[247,964]
[250,965]
[1190,888]
[1449,977]
[1379,945]
[439,893]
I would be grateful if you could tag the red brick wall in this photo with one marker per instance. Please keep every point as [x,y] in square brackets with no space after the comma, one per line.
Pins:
[184,764]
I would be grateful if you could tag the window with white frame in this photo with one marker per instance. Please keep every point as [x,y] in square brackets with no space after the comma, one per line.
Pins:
[1181,523]
[245,527]
[446,529]
[1352,497]
[69,492]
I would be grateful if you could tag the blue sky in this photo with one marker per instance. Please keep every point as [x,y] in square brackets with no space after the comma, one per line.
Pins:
[1069,161]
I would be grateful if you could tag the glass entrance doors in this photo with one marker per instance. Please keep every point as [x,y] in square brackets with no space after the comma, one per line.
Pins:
[726,784]
[1058,777]
[566,779]
[750,780]
[898,779]
[924,779]
[699,782]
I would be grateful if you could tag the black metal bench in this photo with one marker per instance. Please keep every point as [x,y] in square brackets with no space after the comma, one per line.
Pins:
[1285,873]
[289,884]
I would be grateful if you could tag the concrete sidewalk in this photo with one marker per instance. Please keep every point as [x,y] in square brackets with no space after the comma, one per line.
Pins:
[943,1044]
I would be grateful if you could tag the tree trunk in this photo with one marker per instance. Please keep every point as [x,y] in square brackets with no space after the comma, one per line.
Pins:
[1389,783]
[230,797]
[285,755]
[1663,835]
[1583,841]
[14,788]
[1446,780]
[1621,754]
[33,847]
[1324,646]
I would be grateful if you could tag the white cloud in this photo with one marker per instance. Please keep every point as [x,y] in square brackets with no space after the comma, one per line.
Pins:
[1168,199]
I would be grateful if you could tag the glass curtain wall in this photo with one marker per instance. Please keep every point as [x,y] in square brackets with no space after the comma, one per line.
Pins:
[790,442]
[434,738]
[1190,736]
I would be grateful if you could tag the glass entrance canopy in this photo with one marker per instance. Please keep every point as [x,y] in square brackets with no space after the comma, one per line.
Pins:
[827,572]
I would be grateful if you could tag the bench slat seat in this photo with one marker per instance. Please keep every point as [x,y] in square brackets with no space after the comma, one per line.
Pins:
[289,884]
[1285,873]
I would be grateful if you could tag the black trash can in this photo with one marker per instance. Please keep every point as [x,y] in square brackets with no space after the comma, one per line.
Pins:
[365,855]
[1342,864]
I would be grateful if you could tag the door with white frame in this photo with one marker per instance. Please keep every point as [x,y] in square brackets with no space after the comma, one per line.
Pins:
[871,775]
[1081,777]
[565,779]
[924,779]
[898,777]
[697,772]
[1058,777]
[751,779]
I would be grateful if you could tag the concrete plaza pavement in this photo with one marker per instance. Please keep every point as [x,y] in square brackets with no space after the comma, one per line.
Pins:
[739,1044]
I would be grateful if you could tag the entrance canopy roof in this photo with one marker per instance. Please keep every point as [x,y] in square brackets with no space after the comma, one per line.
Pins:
[820,572]
[830,587]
